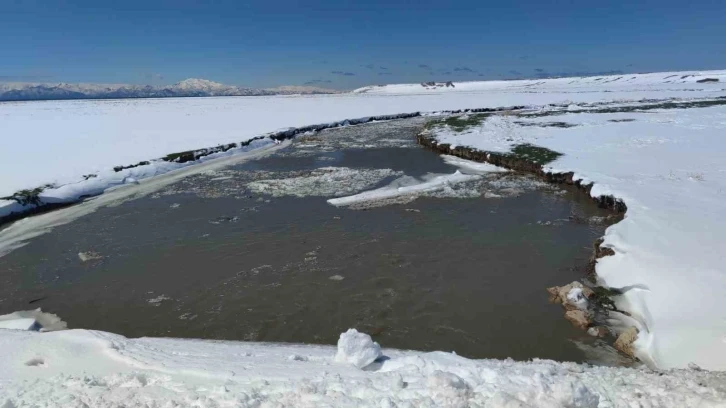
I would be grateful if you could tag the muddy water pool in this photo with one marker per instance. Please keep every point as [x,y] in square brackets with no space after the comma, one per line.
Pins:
[255,252]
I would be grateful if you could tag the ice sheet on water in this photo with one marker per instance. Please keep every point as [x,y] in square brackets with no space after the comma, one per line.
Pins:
[32,320]
[457,185]
[406,186]
[322,182]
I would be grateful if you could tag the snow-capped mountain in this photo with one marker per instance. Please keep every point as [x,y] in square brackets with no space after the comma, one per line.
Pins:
[22,91]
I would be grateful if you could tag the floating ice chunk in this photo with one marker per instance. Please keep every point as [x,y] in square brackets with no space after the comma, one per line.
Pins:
[89,256]
[357,349]
[20,324]
[157,300]
[34,320]
[472,167]
[324,181]
[405,186]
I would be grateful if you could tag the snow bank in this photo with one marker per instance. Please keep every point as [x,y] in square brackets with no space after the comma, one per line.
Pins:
[18,233]
[357,349]
[668,166]
[91,368]
[110,178]
[634,82]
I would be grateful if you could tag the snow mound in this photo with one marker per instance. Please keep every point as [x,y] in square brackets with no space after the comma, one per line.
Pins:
[98,369]
[357,349]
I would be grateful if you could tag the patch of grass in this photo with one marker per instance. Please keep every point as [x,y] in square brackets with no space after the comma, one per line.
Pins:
[460,123]
[28,196]
[602,297]
[191,155]
[181,157]
[535,154]
[119,168]
[718,101]
[546,124]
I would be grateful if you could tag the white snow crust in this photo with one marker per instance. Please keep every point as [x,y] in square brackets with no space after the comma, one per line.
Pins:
[598,83]
[79,368]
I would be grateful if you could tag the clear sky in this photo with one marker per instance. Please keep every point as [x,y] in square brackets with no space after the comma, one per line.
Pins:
[340,44]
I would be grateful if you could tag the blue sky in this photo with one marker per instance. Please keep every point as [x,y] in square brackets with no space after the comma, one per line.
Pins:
[339,44]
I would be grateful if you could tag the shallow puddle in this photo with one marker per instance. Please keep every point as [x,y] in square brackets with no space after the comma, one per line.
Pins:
[255,252]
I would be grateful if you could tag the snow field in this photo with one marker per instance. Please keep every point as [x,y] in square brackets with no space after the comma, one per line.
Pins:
[90,368]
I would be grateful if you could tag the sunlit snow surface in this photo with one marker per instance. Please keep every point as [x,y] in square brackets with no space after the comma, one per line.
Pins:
[97,369]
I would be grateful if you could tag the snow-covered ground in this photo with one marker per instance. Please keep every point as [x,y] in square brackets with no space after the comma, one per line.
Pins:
[60,142]
[636,83]
[82,368]
[669,167]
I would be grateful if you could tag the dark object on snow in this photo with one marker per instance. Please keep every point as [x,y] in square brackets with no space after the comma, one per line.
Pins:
[704,80]
[450,84]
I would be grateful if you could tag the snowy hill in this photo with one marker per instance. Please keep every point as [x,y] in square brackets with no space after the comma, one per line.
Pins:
[692,80]
[189,87]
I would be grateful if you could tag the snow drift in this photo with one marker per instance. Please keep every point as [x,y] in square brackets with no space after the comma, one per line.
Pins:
[91,368]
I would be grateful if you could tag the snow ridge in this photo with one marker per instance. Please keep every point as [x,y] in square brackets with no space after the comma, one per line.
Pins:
[91,368]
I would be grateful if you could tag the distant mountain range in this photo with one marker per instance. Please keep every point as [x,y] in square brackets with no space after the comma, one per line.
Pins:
[21,91]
